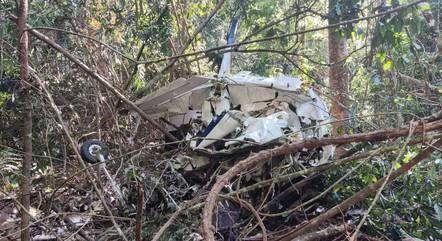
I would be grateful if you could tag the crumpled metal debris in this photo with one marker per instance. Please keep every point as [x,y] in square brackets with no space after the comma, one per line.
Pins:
[240,108]
[264,129]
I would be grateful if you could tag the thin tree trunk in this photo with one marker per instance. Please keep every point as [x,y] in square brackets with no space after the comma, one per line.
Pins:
[22,13]
[140,213]
[338,74]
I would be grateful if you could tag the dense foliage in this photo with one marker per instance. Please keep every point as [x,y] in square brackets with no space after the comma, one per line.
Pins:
[394,62]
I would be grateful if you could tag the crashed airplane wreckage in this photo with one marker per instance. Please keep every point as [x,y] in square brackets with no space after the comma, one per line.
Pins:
[241,109]
[229,112]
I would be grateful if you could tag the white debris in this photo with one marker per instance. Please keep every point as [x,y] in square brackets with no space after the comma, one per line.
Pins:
[78,220]
[221,127]
[217,103]
[281,82]
[327,153]
[312,110]
[44,237]
[265,129]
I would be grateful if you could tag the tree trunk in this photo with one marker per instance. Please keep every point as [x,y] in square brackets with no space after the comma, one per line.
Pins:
[25,187]
[338,74]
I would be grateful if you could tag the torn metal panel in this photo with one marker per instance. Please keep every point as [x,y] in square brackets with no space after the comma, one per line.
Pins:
[251,95]
[281,82]
[161,100]
[227,58]
[327,153]
[265,129]
[183,118]
[217,102]
[312,110]
[253,98]
[199,96]
[220,127]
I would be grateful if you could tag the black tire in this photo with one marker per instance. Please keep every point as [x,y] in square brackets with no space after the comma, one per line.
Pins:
[88,155]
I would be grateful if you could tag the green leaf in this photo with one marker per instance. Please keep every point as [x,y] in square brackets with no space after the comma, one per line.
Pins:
[353,35]
[137,83]
[425,6]
[388,65]
[381,56]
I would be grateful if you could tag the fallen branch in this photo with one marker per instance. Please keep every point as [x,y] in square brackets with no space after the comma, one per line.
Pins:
[322,234]
[311,170]
[294,147]
[86,37]
[257,217]
[303,204]
[361,195]
[328,166]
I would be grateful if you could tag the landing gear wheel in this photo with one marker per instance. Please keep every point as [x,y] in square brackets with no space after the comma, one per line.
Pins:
[91,149]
